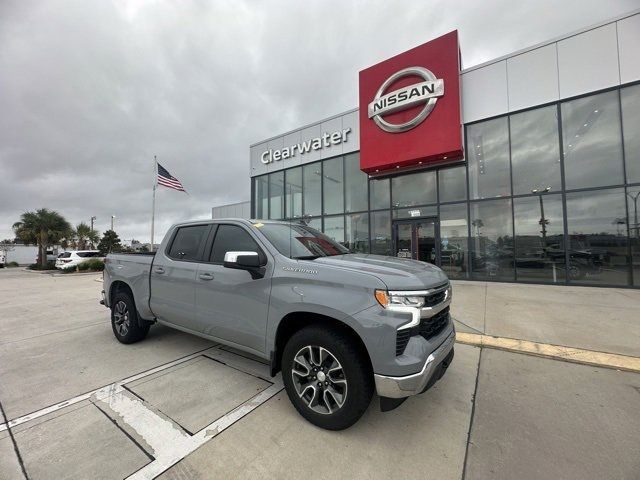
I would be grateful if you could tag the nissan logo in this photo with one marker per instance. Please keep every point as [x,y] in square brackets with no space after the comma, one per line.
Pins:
[426,92]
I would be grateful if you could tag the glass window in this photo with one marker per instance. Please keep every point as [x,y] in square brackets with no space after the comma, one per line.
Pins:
[357,233]
[231,238]
[633,200]
[492,240]
[540,254]
[187,242]
[592,141]
[597,227]
[311,188]
[488,159]
[299,241]
[453,240]
[261,201]
[535,150]
[415,212]
[631,127]
[333,186]
[293,192]
[381,233]
[356,184]
[453,184]
[414,189]
[276,195]
[379,193]
[334,228]
[315,223]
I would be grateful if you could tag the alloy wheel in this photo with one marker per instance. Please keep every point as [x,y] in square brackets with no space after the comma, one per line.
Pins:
[319,379]
[121,318]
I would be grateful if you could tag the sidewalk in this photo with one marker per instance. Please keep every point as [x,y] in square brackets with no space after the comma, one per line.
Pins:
[599,319]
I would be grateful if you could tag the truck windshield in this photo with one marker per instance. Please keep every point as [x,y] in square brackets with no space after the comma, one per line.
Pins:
[299,241]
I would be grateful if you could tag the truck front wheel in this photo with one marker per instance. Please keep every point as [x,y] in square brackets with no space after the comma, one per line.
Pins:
[327,377]
[124,319]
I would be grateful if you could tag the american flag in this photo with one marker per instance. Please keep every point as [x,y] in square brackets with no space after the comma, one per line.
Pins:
[168,180]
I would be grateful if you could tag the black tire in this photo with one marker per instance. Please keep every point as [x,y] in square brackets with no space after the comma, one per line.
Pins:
[124,319]
[354,369]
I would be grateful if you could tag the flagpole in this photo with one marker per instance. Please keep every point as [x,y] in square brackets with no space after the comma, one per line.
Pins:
[153,203]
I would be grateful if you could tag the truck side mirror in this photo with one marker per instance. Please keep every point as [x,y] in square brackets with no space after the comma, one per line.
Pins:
[242,260]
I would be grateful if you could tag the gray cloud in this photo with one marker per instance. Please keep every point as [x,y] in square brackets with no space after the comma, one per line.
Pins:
[91,90]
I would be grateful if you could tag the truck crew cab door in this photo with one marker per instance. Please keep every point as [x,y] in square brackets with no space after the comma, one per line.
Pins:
[173,276]
[232,304]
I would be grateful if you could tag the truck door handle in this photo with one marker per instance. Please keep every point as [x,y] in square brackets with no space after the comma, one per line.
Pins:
[205,276]
[159,270]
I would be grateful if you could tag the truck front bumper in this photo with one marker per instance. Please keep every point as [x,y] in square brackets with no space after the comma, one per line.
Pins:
[432,370]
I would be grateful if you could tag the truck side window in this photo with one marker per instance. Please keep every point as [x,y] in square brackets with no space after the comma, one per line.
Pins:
[231,238]
[187,242]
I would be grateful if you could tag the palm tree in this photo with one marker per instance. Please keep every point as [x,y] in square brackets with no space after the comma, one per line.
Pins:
[44,227]
[84,234]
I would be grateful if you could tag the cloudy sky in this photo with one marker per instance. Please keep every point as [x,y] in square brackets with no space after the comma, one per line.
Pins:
[91,90]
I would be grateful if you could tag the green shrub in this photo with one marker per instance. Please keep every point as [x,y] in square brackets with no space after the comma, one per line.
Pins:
[12,264]
[83,267]
[70,269]
[37,266]
[95,264]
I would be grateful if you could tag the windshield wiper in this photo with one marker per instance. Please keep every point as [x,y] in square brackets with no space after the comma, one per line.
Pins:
[307,257]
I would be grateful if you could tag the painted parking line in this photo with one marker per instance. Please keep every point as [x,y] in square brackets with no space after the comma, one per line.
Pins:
[557,352]
[168,442]
[171,445]
[85,396]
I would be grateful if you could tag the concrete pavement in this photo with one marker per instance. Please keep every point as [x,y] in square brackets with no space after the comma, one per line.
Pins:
[601,319]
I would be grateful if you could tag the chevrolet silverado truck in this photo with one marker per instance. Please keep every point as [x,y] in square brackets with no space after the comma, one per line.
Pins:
[337,325]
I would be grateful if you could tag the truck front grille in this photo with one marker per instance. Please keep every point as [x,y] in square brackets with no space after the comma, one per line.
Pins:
[402,338]
[435,298]
[430,327]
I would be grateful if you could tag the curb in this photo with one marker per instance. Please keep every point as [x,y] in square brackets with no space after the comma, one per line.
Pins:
[556,352]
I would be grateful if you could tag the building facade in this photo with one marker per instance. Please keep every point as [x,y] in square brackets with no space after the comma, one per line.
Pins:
[547,190]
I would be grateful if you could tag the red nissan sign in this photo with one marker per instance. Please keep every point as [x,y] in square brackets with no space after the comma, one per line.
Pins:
[410,108]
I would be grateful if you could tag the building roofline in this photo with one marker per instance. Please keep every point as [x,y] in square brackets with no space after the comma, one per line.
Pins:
[475,67]
[553,40]
[233,204]
[305,126]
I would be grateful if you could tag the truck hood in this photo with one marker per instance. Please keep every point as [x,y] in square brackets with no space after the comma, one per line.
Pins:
[396,273]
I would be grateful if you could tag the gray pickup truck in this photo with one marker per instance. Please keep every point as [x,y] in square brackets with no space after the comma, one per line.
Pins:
[336,324]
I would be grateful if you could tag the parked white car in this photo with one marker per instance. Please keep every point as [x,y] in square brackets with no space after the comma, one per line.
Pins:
[3,258]
[72,259]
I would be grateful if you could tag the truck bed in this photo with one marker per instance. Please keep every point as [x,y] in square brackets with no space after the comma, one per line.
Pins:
[132,269]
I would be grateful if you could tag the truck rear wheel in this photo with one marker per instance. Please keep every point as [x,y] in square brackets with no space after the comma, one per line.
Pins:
[124,319]
[327,377]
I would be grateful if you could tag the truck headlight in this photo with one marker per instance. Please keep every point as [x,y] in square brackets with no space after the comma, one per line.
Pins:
[400,300]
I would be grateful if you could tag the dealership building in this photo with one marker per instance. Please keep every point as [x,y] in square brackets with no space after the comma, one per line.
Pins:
[523,169]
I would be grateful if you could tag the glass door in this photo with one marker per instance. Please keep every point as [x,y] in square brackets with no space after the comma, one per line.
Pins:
[417,239]
[404,246]
[426,241]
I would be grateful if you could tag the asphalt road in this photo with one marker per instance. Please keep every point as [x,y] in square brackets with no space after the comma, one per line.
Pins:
[179,407]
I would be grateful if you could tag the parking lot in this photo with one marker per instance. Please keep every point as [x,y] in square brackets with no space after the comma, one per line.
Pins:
[81,405]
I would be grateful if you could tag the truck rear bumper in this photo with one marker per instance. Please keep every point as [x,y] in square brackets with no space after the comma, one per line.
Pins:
[432,370]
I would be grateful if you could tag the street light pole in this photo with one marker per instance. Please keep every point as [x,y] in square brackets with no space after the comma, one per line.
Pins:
[93,217]
[543,223]
[635,212]
[112,219]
